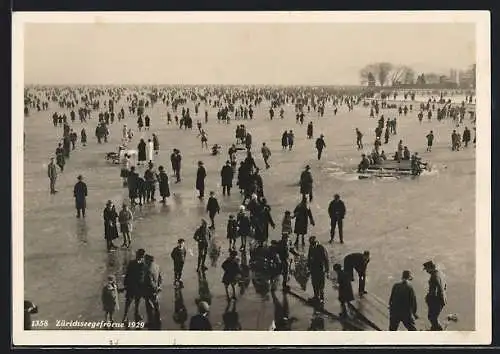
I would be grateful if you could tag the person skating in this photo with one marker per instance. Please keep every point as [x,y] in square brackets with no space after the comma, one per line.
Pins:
[125,218]
[436,295]
[201,174]
[320,145]
[430,140]
[227,175]
[202,236]
[134,284]
[110,228]
[152,289]
[359,262]
[163,184]
[232,231]
[266,154]
[213,208]
[318,264]
[52,174]
[200,321]
[359,139]
[336,211]
[109,298]
[178,256]
[303,215]
[306,183]
[345,293]
[232,270]
[403,304]
[244,227]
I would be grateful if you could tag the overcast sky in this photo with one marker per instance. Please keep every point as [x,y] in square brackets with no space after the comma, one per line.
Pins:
[237,53]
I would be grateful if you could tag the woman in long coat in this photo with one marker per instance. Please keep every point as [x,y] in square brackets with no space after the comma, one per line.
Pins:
[141,147]
[303,216]
[346,295]
[163,184]
[200,179]
[110,229]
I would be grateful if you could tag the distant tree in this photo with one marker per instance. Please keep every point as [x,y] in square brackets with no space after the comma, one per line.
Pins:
[421,79]
[371,80]
[473,72]
[398,74]
[378,71]
[409,77]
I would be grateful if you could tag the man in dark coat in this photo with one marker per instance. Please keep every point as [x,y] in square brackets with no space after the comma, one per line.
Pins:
[318,264]
[201,174]
[202,236]
[200,321]
[52,174]
[163,184]
[176,159]
[263,220]
[436,295]
[320,145]
[133,284]
[346,294]
[403,304]
[132,183]
[80,194]
[306,183]
[110,217]
[178,257]
[336,211]
[359,262]
[141,148]
[212,209]
[152,288]
[227,175]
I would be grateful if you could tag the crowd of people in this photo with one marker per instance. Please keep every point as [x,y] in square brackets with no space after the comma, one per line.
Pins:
[271,260]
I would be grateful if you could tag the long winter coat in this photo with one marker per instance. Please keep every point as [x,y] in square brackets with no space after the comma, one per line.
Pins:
[303,216]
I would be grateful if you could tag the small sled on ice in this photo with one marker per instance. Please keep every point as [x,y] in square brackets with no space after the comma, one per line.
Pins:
[394,169]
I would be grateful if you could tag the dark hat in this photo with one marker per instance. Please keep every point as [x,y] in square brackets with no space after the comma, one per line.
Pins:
[228,162]
[308,167]
[181,240]
[312,239]
[406,275]
[337,267]
[200,162]
[140,252]
[80,177]
[429,264]
[111,277]
[109,202]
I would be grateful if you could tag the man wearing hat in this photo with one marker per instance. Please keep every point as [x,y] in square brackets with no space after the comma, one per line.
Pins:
[80,195]
[201,174]
[403,304]
[306,183]
[202,236]
[266,154]
[110,228]
[200,321]
[227,175]
[436,295]
[336,211]
[320,145]
[134,283]
[52,174]
[318,264]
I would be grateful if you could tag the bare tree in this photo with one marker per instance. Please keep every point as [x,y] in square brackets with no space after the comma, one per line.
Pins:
[380,71]
[401,73]
[383,72]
